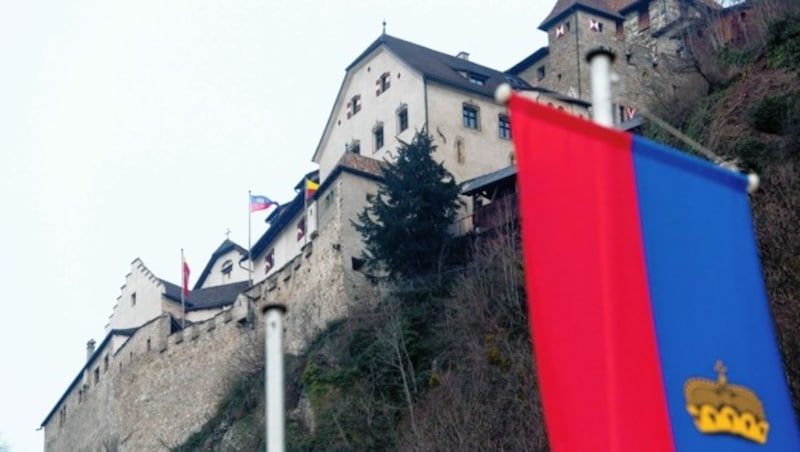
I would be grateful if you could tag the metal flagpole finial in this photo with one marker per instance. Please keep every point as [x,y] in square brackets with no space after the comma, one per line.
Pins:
[384,26]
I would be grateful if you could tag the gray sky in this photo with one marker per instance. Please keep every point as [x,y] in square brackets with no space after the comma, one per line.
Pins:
[135,128]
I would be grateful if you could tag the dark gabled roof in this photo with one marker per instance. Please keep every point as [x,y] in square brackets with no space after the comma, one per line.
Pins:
[208,298]
[226,246]
[529,61]
[441,67]
[477,184]
[601,7]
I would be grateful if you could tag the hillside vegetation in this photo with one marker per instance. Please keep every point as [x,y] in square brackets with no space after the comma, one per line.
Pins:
[449,366]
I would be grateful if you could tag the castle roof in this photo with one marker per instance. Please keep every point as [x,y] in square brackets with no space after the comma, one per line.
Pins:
[210,297]
[606,8]
[441,67]
[226,246]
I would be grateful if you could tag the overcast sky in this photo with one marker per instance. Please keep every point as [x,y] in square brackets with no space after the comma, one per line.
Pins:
[135,128]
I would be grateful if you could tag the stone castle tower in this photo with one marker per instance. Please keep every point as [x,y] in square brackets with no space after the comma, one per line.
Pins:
[647,36]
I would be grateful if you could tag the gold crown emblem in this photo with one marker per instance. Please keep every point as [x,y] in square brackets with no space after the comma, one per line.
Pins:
[719,407]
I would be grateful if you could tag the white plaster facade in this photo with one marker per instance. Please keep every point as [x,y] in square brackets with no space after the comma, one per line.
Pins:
[139,301]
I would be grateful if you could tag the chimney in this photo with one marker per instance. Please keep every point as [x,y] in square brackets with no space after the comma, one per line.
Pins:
[89,349]
[463,55]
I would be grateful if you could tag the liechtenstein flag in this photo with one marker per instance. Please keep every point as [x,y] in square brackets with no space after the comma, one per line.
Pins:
[650,323]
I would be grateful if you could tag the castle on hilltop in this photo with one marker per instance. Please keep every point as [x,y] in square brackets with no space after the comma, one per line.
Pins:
[162,359]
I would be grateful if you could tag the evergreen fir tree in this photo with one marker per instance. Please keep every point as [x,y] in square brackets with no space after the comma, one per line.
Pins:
[405,225]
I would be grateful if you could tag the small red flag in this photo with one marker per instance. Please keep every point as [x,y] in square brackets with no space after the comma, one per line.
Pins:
[185,278]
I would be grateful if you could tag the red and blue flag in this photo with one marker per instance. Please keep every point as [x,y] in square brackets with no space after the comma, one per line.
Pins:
[650,323]
[259,202]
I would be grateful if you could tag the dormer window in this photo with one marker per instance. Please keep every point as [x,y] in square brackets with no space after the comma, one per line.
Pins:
[227,268]
[354,106]
[383,83]
[476,79]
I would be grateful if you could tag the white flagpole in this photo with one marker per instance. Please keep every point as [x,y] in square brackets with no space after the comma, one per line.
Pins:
[184,283]
[600,59]
[273,377]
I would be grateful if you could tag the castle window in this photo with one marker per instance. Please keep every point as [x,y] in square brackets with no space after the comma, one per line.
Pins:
[595,25]
[96,375]
[227,268]
[540,72]
[402,118]
[377,134]
[354,106]
[460,157]
[301,228]
[504,128]
[644,16]
[469,114]
[148,344]
[328,201]
[354,147]
[133,299]
[620,31]
[269,260]
[383,82]
[105,364]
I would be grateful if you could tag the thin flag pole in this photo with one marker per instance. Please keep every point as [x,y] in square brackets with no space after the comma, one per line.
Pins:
[249,236]
[184,284]
[305,212]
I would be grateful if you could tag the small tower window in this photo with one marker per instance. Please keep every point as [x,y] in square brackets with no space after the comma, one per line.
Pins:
[540,72]
[133,299]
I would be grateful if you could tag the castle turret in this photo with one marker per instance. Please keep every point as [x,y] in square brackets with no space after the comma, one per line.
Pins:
[574,27]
